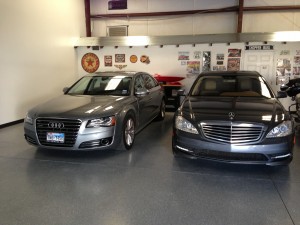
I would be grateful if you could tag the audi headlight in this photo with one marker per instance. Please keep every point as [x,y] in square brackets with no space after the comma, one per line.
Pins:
[102,122]
[184,125]
[28,119]
[282,130]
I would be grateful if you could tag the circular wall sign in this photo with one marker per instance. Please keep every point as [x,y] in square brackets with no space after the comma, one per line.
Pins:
[90,62]
[133,58]
[145,59]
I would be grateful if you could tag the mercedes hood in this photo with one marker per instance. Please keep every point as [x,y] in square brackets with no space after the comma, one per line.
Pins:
[239,109]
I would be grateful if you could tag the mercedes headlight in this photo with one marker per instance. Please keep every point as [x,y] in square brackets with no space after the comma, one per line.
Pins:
[282,130]
[184,125]
[102,122]
[28,119]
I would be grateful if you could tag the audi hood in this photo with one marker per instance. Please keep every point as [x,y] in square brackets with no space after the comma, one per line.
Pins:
[79,106]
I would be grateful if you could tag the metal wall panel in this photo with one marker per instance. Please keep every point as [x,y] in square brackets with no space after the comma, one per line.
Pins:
[188,39]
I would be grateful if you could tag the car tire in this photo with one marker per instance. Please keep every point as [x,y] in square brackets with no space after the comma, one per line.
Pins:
[128,132]
[162,111]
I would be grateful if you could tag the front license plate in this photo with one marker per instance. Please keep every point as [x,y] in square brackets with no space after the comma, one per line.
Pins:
[55,137]
[174,92]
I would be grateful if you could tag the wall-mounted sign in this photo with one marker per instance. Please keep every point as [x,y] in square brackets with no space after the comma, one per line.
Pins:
[90,62]
[206,61]
[145,59]
[259,47]
[108,60]
[220,56]
[197,54]
[120,67]
[234,52]
[119,58]
[285,52]
[233,64]
[193,67]
[133,58]
[219,68]
[184,55]
[117,4]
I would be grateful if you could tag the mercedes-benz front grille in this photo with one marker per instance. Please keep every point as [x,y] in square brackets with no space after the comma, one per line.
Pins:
[231,132]
[68,127]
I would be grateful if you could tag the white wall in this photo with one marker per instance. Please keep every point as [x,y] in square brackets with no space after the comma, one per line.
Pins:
[37,57]
[262,21]
[164,61]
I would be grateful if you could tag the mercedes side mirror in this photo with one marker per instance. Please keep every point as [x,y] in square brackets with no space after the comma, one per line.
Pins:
[281,94]
[284,87]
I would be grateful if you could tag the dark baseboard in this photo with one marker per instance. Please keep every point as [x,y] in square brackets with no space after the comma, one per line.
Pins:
[11,123]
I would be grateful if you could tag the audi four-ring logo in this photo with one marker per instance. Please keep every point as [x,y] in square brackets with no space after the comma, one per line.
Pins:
[231,115]
[56,125]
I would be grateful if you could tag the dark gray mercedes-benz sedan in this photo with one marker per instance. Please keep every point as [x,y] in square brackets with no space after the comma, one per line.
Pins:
[100,111]
[233,117]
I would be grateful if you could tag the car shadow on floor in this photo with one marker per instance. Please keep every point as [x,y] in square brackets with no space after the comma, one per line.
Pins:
[79,156]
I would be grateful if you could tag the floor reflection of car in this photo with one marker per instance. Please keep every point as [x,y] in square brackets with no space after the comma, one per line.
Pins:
[100,111]
[233,117]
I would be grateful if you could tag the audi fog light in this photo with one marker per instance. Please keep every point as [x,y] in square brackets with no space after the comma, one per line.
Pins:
[184,125]
[282,130]
[102,122]
[28,119]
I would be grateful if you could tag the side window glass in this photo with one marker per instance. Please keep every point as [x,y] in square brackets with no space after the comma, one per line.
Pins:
[155,82]
[138,83]
[149,81]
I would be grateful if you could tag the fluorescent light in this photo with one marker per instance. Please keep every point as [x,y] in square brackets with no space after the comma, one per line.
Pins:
[286,36]
[137,40]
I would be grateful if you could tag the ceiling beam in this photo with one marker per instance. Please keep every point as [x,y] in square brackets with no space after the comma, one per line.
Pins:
[240,16]
[202,11]
[87,6]
[171,13]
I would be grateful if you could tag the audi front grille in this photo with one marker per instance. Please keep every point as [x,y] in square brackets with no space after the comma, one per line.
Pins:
[231,132]
[68,127]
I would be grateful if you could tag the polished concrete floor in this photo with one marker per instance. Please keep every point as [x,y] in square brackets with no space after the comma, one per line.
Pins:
[143,186]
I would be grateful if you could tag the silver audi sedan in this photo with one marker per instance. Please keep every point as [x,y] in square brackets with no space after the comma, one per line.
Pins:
[233,117]
[104,110]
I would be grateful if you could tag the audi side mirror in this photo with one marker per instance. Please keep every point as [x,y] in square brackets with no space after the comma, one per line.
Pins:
[141,92]
[65,90]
